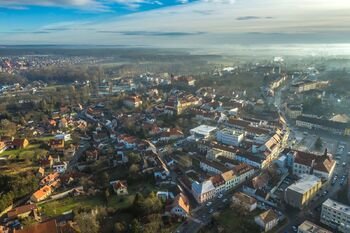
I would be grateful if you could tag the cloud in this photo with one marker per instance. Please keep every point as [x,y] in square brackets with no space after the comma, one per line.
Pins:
[76,4]
[152,33]
[253,17]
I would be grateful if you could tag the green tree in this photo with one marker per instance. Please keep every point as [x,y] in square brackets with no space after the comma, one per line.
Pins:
[134,169]
[134,158]
[119,227]
[135,226]
[318,143]
[87,222]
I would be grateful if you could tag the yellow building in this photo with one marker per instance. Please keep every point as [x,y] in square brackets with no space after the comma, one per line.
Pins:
[303,191]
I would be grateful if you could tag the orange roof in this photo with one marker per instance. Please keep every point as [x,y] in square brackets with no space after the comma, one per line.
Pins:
[182,201]
[42,192]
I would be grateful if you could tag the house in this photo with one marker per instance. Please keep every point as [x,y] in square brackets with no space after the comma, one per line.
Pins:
[3,146]
[44,227]
[41,172]
[91,155]
[57,144]
[47,162]
[133,101]
[267,220]
[60,167]
[310,227]
[20,143]
[180,206]
[41,194]
[247,202]
[22,212]
[49,178]
[120,187]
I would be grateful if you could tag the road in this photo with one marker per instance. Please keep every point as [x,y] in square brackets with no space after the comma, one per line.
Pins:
[201,215]
[310,213]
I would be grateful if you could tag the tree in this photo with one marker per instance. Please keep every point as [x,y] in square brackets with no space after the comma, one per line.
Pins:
[87,222]
[9,128]
[134,169]
[318,144]
[107,194]
[134,158]
[135,226]
[104,179]
[119,227]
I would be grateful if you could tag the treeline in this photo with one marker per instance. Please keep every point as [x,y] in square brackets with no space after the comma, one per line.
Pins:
[66,74]
[15,187]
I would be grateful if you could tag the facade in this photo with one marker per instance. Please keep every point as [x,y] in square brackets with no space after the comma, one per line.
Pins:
[336,215]
[334,127]
[60,167]
[204,191]
[229,136]
[132,102]
[22,212]
[180,206]
[293,111]
[310,227]
[267,220]
[322,166]
[303,191]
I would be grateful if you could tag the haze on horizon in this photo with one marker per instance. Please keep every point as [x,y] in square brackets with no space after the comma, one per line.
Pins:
[212,24]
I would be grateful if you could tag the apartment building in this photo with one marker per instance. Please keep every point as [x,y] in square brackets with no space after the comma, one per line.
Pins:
[230,137]
[336,215]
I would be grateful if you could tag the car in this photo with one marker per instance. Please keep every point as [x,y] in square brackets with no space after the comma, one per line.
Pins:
[210,211]
[295,229]
[344,164]
[225,200]
[220,196]
[209,203]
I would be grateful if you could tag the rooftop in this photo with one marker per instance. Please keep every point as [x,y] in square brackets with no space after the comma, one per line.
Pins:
[311,227]
[203,129]
[305,183]
[337,206]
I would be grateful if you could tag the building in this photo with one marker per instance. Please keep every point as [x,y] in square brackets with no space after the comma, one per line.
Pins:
[203,131]
[267,220]
[247,202]
[132,101]
[57,144]
[293,111]
[60,167]
[44,227]
[335,127]
[22,212]
[322,166]
[41,194]
[212,167]
[229,136]
[203,191]
[310,227]
[120,187]
[307,85]
[336,215]
[20,143]
[303,191]
[180,206]
[3,146]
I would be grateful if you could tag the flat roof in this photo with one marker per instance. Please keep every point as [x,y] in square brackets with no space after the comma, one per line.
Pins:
[337,206]
[203,129]
[311,227]
[304,184]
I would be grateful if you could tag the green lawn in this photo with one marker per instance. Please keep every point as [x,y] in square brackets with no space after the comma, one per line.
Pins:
[44,139]
[231,219]
[58,207]
[23,153]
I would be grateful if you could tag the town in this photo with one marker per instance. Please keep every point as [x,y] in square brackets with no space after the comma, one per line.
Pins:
[244,148]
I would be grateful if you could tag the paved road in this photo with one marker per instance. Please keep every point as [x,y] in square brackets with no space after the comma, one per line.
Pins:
[310,213]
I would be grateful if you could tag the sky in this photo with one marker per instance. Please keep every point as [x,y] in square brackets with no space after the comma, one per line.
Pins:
[174,23]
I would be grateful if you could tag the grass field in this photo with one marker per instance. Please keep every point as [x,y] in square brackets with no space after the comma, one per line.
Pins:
[22,153]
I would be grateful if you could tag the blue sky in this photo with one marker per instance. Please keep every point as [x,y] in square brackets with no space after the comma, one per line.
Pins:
[174,23]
